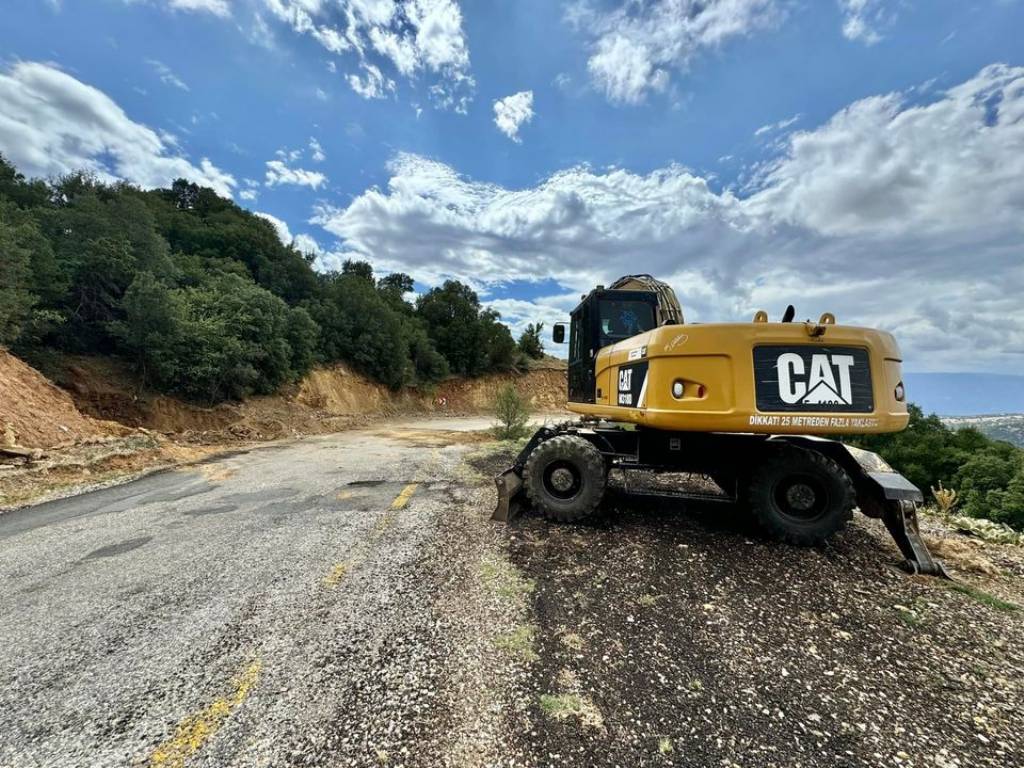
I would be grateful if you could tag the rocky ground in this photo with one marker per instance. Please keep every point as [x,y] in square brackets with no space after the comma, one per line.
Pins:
[669,635]
[344,600]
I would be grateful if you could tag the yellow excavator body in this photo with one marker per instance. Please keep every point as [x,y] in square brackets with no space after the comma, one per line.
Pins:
[749,406]
[758,377]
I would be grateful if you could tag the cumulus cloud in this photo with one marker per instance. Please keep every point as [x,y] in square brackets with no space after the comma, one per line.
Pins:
[303,242]
[862,19]
[52,123]
[893,213]
[512,112]
[279,173]
[283,232]
[413,36]
[636,46]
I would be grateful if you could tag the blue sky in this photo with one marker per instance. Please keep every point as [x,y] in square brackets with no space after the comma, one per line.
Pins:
[858,156]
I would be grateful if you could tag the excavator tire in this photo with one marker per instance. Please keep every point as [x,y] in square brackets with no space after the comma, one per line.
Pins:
[801,496]
[565,478]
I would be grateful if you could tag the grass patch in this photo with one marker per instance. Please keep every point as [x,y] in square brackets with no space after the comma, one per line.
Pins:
[564,706]
[519,642]
[572,641]
[664,745]
[502,578]
[983,597]
[909,618]
[647,601]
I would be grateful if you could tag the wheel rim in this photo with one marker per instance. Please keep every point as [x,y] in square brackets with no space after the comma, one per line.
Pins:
[802,498]
[562,479]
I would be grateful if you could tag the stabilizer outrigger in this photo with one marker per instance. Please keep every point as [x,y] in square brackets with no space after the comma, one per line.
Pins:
[802,489]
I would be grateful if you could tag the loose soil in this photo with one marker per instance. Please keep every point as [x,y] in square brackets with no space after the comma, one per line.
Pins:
[40,415]
[676,634]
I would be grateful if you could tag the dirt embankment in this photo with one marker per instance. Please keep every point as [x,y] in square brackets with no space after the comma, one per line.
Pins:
[326,400]
[101,424]
[36,414]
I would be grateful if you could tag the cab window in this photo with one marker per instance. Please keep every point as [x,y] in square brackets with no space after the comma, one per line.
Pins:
[622,319]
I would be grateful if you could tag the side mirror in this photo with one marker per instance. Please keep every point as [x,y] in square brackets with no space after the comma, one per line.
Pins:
[558,333]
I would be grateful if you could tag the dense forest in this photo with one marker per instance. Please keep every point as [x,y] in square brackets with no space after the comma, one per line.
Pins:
[206,301]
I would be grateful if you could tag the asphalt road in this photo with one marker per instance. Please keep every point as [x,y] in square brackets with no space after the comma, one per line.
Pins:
[299,604]
[344,601]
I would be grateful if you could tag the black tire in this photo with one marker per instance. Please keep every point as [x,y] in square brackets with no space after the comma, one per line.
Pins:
[565,478]
[801,496]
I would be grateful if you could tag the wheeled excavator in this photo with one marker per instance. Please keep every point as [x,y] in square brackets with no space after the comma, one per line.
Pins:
[755,407]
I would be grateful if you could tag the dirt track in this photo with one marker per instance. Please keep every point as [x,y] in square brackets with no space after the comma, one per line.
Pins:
[343,600]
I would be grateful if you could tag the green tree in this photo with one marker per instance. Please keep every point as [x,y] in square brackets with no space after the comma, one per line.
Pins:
[358,326]
[530,343]
[19,241]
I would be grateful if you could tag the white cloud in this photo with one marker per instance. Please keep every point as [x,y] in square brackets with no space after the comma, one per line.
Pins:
[902,215]
[373,84]
[278,173]
[511,112]
[316,152]
[220,8]
[304,243]
[413,36]
[283,232]
[249,195]
[635,46]
[862,19]
[166,75]
[307,244]
[51,124]
[216,7]
[781,125]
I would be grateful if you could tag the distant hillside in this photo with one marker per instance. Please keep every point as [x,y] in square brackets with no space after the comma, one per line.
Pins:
[966,394]
[1008,427]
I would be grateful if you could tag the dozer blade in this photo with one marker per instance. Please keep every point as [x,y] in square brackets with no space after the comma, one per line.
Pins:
[510,491]
[900,518]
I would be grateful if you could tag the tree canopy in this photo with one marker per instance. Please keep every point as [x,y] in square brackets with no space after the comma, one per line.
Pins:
[207,302]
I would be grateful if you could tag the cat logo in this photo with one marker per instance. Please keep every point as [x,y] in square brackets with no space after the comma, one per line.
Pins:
[625,385]
[827,382]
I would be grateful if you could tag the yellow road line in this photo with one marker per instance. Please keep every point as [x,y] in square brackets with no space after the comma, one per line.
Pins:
[195,730]
[403,498]
[336,574]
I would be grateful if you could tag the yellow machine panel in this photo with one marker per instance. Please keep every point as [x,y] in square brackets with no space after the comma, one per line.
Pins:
[774,378]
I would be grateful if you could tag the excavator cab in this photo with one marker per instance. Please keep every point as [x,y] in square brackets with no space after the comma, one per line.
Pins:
[603,317]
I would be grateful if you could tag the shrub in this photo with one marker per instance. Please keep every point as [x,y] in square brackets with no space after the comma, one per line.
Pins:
[512,414]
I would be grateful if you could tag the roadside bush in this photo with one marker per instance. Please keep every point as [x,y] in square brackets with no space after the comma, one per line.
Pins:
[512,414]
[224,340]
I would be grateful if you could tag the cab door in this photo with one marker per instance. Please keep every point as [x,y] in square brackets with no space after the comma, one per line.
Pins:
[581,354]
